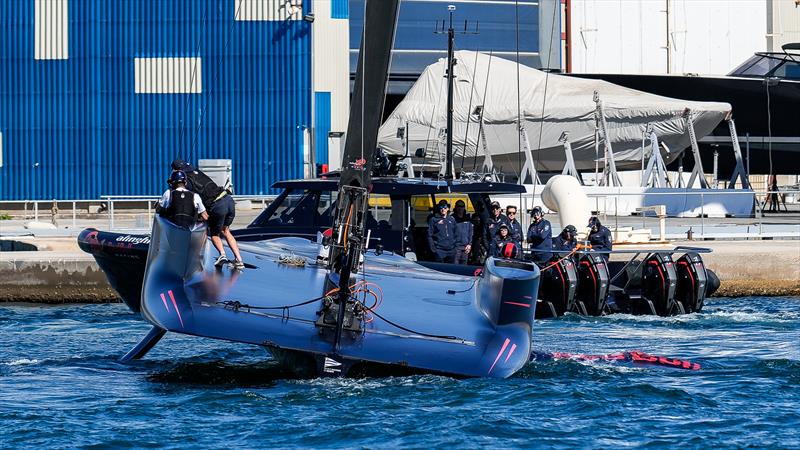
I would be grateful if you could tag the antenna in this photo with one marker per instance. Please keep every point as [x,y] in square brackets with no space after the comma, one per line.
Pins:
[451,64]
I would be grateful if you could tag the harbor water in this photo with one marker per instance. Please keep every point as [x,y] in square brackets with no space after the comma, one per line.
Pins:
[61,386]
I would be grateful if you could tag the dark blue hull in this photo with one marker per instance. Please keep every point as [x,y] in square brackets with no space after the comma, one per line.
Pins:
[424,320]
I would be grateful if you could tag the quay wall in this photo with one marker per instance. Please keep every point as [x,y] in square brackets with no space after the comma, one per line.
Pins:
[64,274]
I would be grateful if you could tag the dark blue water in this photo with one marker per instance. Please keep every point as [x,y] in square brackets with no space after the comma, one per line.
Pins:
[60,386]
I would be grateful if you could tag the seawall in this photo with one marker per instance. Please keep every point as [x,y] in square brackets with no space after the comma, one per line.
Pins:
[62,273]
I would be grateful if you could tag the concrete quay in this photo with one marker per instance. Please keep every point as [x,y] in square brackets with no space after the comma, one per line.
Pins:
[61,273]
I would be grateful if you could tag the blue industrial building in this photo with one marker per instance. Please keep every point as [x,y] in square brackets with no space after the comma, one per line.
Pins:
[98,96]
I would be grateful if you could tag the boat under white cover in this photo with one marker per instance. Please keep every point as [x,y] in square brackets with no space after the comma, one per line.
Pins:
[565,104]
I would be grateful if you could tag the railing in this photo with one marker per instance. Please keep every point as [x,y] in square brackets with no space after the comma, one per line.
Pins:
[31,208]
[606,210]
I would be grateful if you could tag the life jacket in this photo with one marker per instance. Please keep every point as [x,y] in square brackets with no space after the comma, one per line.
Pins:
[204,186]
[181,210]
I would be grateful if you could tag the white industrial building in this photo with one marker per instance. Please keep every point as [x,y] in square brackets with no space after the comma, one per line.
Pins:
[674,36]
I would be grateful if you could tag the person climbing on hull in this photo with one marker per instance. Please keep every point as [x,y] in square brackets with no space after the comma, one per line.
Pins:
[221,211]
[179,205]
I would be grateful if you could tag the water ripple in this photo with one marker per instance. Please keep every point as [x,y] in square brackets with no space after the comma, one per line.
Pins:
[62,386]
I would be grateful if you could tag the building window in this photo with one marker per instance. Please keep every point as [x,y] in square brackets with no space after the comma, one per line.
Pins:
[50,29]
[268,9]
[168,75]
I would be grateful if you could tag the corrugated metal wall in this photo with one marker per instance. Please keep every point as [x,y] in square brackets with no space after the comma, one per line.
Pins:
[75,128]
[783,24]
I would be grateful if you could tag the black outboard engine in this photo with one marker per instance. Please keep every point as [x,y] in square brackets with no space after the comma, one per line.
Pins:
[659,281]
[557,289]
[590,298]
[692,280]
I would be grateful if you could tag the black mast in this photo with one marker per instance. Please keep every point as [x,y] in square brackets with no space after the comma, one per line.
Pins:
[451,63]
[366,111]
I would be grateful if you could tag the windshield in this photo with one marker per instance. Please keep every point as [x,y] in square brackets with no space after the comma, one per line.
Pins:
[296,208]
[773,65]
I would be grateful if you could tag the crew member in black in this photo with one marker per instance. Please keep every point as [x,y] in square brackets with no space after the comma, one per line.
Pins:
[496,218]
[221,211]
[514,227]
[504,245]
[566,241]
[441,234]
[179,205]
[599,236]
[540,236]
[464,232]
[479,246]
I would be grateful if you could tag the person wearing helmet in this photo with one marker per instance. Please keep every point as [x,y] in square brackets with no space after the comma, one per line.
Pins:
[566,241]
[540,236]
[441,234]
[514,227]
[504,246]
[496,218]
[463,233]
[599,236]
[221,211]
[179,205]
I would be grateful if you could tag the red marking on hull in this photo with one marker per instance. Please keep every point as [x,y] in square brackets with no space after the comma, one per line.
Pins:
[164,299]
[518,304]
[510,352]
[172,297]
[502,349]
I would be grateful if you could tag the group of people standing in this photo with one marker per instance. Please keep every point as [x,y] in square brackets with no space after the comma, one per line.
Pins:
[193,196]
[463,239]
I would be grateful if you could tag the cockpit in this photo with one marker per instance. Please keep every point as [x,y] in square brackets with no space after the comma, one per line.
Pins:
[783,65]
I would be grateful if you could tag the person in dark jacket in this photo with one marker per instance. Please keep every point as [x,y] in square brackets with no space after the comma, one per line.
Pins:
[464,232]
[540,236]
[179,205]
[496,218]
[599,236]
[566,241]
[504,245]
[514,227]
[221,211]
[441,234]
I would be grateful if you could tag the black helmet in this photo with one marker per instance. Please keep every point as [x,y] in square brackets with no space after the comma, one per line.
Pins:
[594,222]
[177,177]
[537,212]
[460,203]
[179,164]
[571,229]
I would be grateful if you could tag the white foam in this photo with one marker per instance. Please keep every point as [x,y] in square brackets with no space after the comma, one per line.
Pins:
[21,362]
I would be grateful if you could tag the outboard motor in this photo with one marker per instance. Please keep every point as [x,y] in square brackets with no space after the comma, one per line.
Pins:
[659,281]
[692,280]
[557,291]
[590,298]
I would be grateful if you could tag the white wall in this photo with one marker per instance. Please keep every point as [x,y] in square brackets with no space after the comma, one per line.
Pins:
[630,36]
[331,50]
[783,23]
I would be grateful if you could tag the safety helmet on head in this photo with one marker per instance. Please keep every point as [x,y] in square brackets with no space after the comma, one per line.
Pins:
[503,227]
[571,229]
[460,203]
[509,250]
[177,177]
[537,212]
[443,204]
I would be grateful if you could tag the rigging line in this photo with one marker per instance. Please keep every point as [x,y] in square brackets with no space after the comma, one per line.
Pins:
[480,118]
[769,127]
[519,101]
[363,75]
[544,97]
[216,76]
[396,325]
[431,126]
[191,83]
[469,110]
